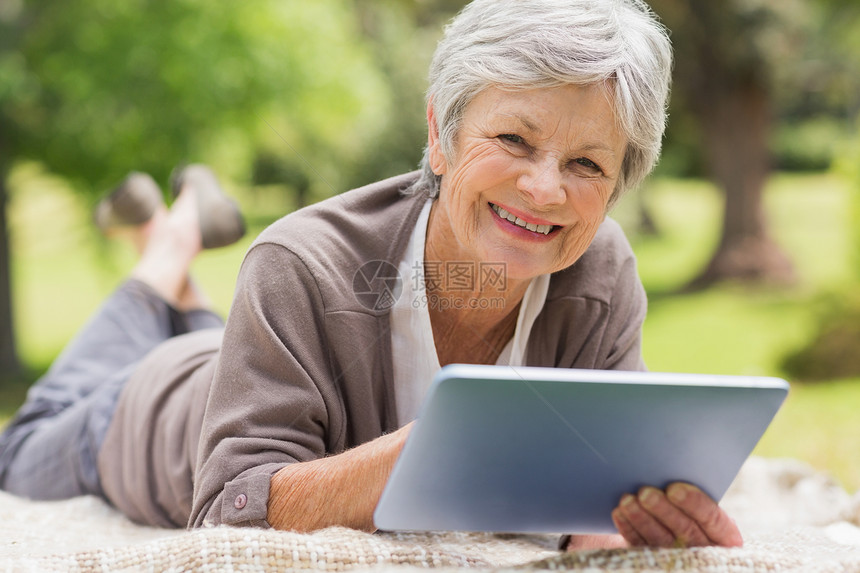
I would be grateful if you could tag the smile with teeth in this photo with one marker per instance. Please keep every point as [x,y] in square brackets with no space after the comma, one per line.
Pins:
[542,229]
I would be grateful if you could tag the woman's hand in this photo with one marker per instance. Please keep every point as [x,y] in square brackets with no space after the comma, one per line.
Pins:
[682,516]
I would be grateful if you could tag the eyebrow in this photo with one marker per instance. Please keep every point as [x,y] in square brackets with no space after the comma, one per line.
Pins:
[598,147]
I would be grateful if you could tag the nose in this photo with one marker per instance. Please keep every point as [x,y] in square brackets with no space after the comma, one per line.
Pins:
[542,182]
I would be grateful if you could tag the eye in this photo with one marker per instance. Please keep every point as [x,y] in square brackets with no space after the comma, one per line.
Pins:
[588,164]
[513,138]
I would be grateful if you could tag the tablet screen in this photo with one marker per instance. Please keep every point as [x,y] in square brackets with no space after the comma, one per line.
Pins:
[518,449]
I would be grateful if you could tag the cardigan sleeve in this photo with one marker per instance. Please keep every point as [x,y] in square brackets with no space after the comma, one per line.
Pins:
[272,401]
[622,339]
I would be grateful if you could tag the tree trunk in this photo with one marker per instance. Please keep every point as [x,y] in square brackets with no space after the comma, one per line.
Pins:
[10,367]
[736,120]
[724,77]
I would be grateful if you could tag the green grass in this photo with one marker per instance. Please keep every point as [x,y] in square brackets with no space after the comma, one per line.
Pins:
[727,330]
[63,270]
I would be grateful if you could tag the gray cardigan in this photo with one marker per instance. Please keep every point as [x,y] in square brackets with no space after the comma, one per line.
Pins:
[305,368]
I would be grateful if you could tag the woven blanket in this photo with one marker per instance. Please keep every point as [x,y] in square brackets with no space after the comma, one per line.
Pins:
[793,519]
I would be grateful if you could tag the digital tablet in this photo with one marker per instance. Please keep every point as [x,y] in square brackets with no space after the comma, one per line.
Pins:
[523,449]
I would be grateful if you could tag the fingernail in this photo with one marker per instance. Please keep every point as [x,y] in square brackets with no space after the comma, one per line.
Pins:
[677,492]
[627,499]
[649,497]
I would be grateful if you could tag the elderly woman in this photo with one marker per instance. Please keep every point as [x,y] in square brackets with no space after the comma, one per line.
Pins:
[540,115]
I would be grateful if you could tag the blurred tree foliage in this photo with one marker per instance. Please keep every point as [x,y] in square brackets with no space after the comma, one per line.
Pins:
[813,79]
[92,89]
[726,54]
[315,96]
[401,35]
[146,84]
[758,84]
[322,96]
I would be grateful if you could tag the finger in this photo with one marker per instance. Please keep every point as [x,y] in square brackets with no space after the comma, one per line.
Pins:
[714,522]
[645,524]
[685,530]
[627,531]
[585,542]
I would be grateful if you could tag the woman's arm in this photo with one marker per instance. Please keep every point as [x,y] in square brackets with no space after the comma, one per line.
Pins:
[337,490]
[273,400]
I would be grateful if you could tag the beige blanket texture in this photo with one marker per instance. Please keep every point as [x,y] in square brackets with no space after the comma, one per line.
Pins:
[792,517]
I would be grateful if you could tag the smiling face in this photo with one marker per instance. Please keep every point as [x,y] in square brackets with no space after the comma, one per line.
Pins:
[530,179]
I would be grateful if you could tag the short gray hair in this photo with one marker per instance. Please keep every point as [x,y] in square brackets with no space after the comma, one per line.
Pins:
[527,44]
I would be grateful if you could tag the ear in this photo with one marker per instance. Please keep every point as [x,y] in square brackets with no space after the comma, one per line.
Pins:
[435,157]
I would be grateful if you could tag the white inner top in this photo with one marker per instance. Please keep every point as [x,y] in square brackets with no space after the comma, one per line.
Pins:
[412,345]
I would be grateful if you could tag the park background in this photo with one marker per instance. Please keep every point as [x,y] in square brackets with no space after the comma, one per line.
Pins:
[747,235]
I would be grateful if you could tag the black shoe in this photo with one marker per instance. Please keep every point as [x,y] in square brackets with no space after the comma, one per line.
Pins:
[221,221]
[133,202]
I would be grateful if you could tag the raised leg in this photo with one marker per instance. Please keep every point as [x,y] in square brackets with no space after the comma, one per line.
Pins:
[49,449]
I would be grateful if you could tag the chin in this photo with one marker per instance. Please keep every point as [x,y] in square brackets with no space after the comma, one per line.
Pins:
[524,270]
[523,263]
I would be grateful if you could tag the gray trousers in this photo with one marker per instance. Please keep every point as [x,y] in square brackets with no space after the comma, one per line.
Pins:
[50,448]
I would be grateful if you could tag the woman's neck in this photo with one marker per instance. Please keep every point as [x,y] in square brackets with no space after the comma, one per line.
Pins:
[472,336]
[473,304]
